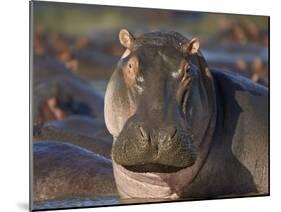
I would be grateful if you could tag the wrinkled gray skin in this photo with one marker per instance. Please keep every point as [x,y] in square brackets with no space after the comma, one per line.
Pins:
[67,171]
[181,130]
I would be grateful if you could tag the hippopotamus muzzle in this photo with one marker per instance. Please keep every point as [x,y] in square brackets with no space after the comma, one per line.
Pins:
[163,150]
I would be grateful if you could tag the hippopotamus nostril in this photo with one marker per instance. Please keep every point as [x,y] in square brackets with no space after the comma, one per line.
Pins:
[167,134]
[143,133]
[173,133]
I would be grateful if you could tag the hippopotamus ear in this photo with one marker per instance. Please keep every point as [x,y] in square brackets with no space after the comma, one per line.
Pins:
[193,46]
[126,39]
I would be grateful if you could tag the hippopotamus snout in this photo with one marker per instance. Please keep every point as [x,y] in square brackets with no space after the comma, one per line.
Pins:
[143,149]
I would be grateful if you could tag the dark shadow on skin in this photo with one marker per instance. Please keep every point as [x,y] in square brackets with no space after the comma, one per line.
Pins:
[223,174]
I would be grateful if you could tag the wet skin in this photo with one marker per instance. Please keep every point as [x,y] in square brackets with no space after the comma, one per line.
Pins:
[177,124]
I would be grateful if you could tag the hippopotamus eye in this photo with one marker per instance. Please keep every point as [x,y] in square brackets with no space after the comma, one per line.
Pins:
[183,71]
[130,71]
[186,73]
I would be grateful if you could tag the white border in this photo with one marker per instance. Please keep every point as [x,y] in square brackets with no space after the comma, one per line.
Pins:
[14,116]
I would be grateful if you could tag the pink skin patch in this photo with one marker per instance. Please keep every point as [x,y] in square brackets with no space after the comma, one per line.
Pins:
[142,185]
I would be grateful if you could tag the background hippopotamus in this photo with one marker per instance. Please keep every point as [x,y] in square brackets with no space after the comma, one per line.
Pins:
[52,79]
[67,108]
[69,133]
[181,130]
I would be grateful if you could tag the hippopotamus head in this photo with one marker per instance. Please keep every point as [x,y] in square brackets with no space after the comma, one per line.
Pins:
[159,107]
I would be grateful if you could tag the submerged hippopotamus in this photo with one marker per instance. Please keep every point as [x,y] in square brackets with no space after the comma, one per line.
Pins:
[181,129]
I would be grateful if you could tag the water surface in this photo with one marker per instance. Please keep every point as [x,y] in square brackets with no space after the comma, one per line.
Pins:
[77,202]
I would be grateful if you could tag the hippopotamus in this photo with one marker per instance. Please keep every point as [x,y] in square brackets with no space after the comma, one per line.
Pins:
[62,170]
[58,93]
[180,129]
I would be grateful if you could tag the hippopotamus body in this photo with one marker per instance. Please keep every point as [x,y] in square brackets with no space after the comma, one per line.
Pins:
[181,130]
